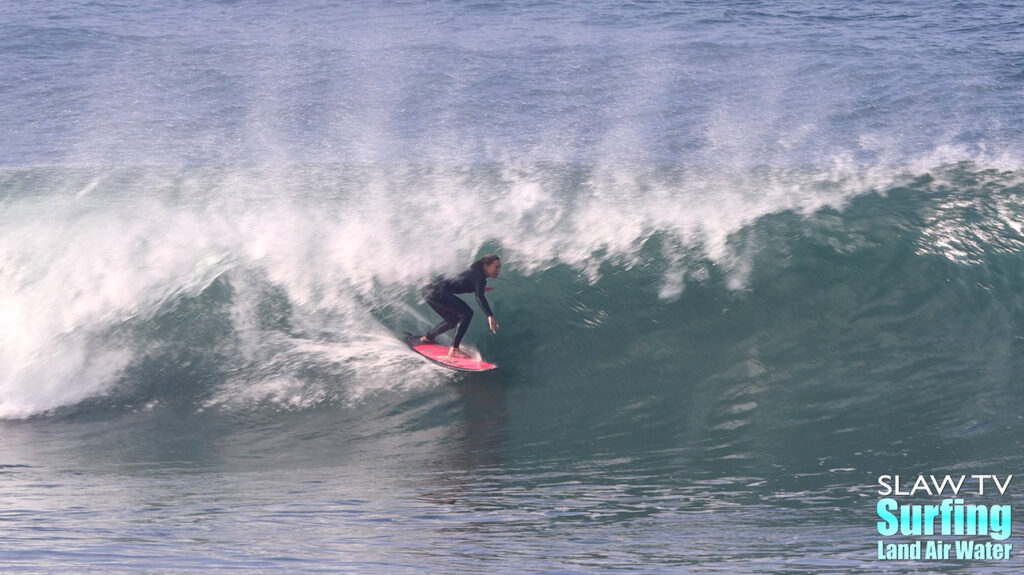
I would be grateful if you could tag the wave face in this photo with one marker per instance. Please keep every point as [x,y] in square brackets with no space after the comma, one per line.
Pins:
[241,289]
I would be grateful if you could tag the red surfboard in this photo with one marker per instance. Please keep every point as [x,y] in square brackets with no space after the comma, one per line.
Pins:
[439,355]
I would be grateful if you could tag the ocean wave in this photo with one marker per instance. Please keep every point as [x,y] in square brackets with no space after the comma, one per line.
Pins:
[241,288]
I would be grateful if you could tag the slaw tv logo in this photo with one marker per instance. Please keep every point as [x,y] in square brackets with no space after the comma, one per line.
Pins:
[979,529]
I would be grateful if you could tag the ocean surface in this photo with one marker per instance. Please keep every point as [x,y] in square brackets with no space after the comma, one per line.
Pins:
[757,256]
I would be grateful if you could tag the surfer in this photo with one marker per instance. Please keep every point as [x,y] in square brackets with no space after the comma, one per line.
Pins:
[455,313]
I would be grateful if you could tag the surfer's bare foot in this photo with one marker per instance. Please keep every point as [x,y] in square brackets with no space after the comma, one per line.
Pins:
[456,352]
[426,339]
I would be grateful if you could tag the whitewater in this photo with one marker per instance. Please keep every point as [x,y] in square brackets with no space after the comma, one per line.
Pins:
[756,256]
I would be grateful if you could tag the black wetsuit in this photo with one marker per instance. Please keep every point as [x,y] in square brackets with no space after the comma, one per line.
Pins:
[440,294]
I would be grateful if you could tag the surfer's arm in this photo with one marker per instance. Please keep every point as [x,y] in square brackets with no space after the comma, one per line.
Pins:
[479,289]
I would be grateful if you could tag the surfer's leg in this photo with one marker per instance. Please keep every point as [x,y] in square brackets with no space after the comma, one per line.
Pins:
[453,312]
[456,314]
[467,317]
[448,321]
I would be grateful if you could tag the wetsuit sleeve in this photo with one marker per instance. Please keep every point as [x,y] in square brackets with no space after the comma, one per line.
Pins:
[479,283]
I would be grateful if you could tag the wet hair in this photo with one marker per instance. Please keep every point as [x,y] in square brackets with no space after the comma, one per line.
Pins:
[485,261]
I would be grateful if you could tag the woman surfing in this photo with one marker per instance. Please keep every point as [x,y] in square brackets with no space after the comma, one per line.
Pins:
[456,313]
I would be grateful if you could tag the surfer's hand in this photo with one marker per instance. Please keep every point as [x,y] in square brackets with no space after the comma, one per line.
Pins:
[493,323]
[488,288]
